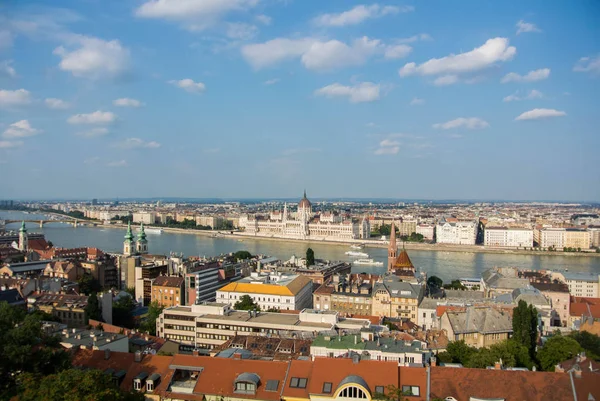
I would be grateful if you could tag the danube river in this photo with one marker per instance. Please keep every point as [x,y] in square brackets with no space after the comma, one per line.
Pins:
[446,265]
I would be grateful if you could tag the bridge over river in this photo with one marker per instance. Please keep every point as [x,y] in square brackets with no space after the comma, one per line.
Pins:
[72,221]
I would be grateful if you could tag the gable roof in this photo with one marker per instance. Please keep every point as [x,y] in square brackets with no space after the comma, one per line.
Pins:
[480,320]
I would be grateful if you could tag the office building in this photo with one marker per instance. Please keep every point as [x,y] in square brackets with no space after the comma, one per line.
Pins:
[508,237]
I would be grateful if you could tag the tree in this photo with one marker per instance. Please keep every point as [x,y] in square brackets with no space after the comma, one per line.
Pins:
[74,385]
[149,324]
[122,312]
[557,349]
[92,309]
[455,285]
[310,257]
[460,352]
[434,282]
[242,255]
[246,303]
[26,348]
[524,322]
[88,284]
[50,244]
[589,342]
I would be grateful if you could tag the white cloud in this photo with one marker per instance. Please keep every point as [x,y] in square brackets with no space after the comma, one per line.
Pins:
[189,85]
[531,76]
[127,102]
[462,122]
[194,14]
[445,80]
[533,94]
[10,144]
[417,101]
[57,104]
[118,163]
[17,97]
[241,31]
[137,143]
[362,92]
[335,54]
[359,14]
[415,38]
[97,117]
[588,64]
[523,27]
[7,69]
[314,54]
[540,113]
[6,39]
[397,51]
[94,58]
[492,51]
[264,19]
[272,81]
[91,160]
[93,132]
[388,147]
[20,129]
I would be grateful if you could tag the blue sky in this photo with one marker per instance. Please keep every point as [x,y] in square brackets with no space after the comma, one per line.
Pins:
[263,98]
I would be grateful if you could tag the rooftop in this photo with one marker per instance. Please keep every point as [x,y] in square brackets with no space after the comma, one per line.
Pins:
[287,285]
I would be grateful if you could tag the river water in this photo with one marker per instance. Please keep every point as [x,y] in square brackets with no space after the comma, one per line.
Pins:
[446,265]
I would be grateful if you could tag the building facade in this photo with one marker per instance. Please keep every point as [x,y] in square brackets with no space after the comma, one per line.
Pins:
[305,224]
[454,231]
[168,291]
[508,237]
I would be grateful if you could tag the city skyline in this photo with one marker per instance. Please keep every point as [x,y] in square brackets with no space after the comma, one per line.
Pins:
[258,99]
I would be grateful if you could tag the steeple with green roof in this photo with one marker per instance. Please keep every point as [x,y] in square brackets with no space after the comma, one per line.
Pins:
[128,244]
[23,229]
[142,242]
[23,238]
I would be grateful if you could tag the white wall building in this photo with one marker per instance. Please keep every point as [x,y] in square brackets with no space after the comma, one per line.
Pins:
[453,231]
[552,237]
[508,237]
[426,230]
[270,291]
[144,217]
[580,284]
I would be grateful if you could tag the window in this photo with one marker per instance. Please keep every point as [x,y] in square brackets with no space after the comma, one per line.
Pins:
[379,389]
[246,388]
[149,386]
[327,388]
[411,390]
[272,385]
[353,392]
[298,382]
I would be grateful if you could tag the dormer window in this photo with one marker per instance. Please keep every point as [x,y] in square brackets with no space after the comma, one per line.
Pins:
[246,383]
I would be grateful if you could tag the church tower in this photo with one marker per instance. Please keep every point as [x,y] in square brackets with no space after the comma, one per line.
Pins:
[142,242]
[392,249]
[23,240]
[128,244]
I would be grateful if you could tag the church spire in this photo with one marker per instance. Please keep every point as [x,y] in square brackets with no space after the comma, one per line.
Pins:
[304,194]
[23,229]
[393,247]
[142,233]
[129,235]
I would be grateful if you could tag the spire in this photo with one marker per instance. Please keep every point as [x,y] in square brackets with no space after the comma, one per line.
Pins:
[393,236]
[142,233]
[304,193]
[23,229]
[129,235]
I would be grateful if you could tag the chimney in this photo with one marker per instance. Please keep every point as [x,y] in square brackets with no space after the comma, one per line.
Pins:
[237,355]
[138,356]
[107,354]
[577,371]
[433,361]
[498,365]
[195,352]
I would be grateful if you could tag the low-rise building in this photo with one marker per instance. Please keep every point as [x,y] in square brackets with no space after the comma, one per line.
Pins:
[168,291]
[395,298]
[478,326]
[501,280]
[580,284]
[87,339]
[270,291]
[404,353]
[70,309]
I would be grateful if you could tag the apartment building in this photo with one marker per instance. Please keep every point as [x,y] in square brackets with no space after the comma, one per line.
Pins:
[202,282]
[577,238]
[168,291]
[426,230]
[70,309]
[508,237]
[208,325]
[144,217]
[454,231]
[478,326]
[551,237]
[209,221]
[347,294]
[270,291]
[580,284]
[407,226]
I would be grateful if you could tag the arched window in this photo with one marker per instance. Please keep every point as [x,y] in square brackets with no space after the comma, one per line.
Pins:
[352,392]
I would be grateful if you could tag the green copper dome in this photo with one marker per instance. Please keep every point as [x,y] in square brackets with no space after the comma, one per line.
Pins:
[23,229]
[142,233]
[129,235]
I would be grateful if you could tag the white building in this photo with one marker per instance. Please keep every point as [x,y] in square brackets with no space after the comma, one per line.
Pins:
[426,230]
[144,217]
[508,237]
[304,224]
[454,231]
[580,284]
[270,291]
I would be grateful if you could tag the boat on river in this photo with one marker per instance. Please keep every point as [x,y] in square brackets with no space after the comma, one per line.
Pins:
[367,262]
[357,254]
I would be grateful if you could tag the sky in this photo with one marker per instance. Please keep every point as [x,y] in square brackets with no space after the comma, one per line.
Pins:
[469,99]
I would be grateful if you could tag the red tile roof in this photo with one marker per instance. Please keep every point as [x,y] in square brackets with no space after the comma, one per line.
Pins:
[167,281]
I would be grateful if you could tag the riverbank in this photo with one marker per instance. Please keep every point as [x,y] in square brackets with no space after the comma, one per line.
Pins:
[444,248]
